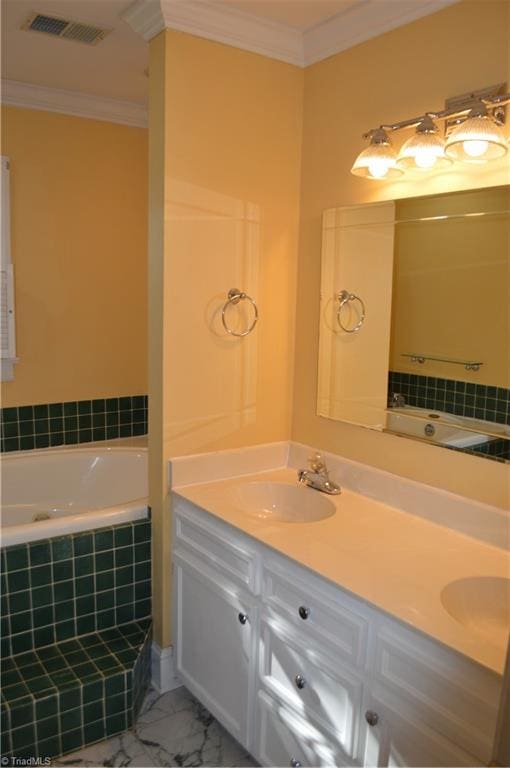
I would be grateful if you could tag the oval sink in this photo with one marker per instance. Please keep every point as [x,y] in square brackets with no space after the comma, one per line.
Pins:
[283,502]
[482,604]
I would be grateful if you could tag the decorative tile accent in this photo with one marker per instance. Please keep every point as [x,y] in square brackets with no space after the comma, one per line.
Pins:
[42,426]
[476,401]
[62,697]
[56,589]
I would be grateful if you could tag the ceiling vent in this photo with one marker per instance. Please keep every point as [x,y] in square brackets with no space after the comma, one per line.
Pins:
[65,29]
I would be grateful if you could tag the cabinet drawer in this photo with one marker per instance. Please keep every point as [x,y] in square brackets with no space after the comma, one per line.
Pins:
[303,678]
[452,695]
[316,608]
[217,545]
[285,739]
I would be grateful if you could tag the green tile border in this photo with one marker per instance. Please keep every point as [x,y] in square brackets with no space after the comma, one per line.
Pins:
[50,425]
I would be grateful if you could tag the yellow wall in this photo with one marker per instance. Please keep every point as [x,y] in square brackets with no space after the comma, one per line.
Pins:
[392,77]
[231,144]
[79,249]
[451,292]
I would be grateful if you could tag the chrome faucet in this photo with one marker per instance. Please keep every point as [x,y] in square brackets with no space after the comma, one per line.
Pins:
[397,400]
[317,476]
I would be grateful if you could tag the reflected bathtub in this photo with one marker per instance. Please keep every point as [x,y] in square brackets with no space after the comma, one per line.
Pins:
[53,493]
[443,428]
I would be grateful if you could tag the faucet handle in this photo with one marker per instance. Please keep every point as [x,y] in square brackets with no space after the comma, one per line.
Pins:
[317,463]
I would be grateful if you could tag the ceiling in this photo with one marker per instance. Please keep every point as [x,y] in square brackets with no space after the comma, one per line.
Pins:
[115,68]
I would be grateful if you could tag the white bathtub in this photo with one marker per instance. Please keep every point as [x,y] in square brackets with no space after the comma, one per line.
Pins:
[77,488]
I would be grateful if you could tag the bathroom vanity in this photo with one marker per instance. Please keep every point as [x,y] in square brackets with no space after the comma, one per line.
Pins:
[337,641]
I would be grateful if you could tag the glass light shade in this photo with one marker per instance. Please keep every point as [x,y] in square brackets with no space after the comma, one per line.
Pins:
[425,151]
[378,161]
[476,140]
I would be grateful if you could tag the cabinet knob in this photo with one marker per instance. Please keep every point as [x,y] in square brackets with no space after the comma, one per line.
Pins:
[304,612]
[295,763]
[243,618]
[371,717]
[300,681]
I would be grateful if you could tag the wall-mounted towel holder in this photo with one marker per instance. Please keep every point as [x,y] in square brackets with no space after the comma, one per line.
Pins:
[234,296]
[344,297]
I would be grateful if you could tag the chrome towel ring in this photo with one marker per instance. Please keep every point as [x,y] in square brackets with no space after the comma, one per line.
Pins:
[234,296]
[344,297]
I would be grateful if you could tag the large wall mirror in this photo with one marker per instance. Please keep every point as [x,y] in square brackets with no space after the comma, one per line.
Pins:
[415,319]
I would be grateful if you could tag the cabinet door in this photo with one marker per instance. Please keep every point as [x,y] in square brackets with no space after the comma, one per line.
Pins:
[215,634]
[397,740]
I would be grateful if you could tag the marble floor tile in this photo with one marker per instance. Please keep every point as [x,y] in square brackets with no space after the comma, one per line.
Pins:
[173,729]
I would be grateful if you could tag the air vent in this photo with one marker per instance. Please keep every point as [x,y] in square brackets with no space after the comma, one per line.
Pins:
[65,28]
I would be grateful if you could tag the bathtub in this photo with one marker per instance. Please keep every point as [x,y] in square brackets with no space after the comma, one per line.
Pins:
[50,493]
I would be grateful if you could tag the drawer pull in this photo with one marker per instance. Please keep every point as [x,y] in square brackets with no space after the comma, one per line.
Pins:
[371,717]
[304,612]
[243,618]
[295,763]
[300,682]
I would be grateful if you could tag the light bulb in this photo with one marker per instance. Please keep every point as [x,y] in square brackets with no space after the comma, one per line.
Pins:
[424,159]
[378,168]
[475,148]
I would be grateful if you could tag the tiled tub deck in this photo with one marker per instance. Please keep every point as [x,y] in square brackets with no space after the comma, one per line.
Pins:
[76,638]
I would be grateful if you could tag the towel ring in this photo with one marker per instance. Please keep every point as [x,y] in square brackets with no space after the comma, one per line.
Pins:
[234,296]
[344,297]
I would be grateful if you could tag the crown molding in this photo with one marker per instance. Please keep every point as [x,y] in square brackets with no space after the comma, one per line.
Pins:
[145,17]
[221,23]
[29,96]
[224,24]
[363,22]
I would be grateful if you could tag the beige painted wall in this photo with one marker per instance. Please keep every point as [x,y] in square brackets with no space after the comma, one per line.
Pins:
[451,291]
[79,249]
[392,77]
[227,131]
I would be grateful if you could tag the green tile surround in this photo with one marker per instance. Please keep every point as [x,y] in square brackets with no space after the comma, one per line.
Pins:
[80,421]
[76,636]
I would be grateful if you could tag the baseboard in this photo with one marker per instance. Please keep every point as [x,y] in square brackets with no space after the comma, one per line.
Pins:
[164,677]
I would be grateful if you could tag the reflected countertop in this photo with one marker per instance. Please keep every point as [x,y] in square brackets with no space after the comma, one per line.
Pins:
[394,560]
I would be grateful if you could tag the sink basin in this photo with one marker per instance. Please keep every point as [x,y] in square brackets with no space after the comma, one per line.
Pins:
[482,604]
[283,502]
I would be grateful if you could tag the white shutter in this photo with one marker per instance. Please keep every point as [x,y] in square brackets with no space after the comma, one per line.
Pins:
[7,328]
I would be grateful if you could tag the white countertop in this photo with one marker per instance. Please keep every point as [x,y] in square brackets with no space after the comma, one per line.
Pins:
[394,560]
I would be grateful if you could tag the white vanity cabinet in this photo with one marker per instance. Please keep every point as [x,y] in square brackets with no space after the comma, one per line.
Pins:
[303,673]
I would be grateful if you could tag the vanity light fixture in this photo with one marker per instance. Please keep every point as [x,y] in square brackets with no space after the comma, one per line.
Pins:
[473,134]
[377,161]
